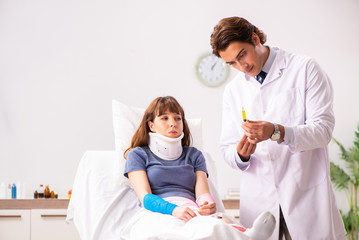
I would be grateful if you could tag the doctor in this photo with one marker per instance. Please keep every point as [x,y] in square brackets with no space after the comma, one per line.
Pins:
[282,147]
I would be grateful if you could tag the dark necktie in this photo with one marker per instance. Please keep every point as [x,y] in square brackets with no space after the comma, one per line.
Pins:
[261,76]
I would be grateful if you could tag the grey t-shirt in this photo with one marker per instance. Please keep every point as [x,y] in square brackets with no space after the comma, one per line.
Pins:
[168,178]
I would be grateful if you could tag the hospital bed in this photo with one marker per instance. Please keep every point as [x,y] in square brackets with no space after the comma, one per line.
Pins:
[103,204]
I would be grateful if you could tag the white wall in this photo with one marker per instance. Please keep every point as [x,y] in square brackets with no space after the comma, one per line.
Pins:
[62,62]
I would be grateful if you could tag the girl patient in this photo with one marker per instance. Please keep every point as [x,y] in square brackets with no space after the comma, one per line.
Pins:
[168,175]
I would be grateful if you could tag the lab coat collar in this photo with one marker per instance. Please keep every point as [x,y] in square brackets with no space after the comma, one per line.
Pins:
[272,54]
[275,72]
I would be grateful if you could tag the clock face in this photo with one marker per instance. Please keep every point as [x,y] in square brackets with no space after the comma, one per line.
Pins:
[211,70]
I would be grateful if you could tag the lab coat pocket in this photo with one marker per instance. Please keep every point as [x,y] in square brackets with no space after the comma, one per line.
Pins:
[288,107]
[309,169]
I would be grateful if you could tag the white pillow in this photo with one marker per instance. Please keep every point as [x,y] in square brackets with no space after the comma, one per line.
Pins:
[126,120]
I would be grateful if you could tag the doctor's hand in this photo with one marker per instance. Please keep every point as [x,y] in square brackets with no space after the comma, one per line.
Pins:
[207,208]
[245,148]
[257,131]
[183,213]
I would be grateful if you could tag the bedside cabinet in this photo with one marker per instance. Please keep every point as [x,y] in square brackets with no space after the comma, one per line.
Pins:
[15,224]
[35,219]
[232,207]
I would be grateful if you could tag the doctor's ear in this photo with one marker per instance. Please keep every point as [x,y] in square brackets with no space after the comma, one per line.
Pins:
[255,39]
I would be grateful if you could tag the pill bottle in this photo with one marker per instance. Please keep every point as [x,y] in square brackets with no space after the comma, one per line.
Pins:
[47,192]
[41,191]
[9,191]
[18,190]
[3,191]
[36,195]
[13,191]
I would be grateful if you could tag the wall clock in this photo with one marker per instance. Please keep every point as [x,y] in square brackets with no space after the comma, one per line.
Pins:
[211,70]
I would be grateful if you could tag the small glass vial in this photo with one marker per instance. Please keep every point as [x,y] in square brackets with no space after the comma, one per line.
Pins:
[52,194]
[41,191]
[47,192]
[36,195]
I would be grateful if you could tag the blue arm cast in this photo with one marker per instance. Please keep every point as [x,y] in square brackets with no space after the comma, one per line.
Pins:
[157,204]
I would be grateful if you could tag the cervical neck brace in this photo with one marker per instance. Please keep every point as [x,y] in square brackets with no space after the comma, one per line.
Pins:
[165,147]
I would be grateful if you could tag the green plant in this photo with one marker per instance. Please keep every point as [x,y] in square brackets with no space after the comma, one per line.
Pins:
[348,181]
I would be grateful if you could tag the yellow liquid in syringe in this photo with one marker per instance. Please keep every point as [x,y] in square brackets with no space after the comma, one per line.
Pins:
[244,115]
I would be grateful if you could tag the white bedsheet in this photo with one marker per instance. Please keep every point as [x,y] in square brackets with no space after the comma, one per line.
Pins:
[149,225]
[102,209]
[98,207]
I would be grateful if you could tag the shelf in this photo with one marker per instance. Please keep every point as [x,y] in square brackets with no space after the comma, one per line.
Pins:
[63,203]
[231,203]
[34,203]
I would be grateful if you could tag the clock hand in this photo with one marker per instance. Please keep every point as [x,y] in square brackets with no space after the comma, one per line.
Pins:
[213,65]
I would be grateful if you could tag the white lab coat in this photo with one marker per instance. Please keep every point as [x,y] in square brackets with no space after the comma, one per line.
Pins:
[298,94]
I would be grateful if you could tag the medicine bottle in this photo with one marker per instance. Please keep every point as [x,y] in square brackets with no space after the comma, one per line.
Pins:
[9,191]
[3,191]
[41,191]
[36,195]
[13,191]
[47,191]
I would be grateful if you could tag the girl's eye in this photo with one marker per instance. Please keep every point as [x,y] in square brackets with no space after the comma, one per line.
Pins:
[179,119]
[163,118]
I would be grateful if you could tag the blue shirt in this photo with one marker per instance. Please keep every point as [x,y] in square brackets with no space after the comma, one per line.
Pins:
[168,178]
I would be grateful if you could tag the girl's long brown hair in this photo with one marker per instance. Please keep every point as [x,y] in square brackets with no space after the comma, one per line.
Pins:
[156,108]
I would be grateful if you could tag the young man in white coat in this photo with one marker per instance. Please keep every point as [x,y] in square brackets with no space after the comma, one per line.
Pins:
[282,147]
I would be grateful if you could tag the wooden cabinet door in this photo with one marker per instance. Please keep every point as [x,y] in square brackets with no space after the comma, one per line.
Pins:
[15,224]
[50,224]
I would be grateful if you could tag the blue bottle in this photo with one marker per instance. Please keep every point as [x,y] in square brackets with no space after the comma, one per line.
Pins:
[13,191]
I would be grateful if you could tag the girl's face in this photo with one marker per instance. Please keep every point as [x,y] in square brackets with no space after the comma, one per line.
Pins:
[168,124]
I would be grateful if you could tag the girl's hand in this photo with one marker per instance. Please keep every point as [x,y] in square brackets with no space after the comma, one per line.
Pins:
[207,208]
[184,213]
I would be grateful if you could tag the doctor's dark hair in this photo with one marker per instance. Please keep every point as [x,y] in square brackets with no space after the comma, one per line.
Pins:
[233,29]
[158,107]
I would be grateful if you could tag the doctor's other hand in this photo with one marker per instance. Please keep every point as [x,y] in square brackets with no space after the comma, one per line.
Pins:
[245,148]
[257,131]
[207,208]
[183,213]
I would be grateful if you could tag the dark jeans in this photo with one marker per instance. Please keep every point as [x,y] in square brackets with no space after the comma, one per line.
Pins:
[283,229]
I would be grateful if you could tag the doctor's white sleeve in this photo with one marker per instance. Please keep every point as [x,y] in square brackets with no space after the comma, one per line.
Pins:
[231,135]
[319,115]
